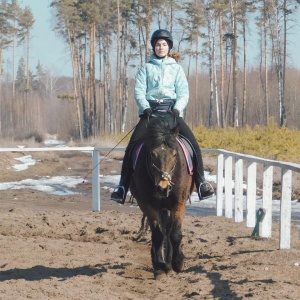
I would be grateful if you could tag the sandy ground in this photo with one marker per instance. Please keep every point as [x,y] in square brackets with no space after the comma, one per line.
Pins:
[55,247]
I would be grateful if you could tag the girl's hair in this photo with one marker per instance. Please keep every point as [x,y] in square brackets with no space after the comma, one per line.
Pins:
[175,55]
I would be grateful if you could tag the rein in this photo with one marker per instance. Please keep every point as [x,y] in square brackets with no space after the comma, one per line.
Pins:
[160,107]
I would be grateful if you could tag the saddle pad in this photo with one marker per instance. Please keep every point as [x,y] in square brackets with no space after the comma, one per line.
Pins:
[185,146]
[135,154]
[188,153]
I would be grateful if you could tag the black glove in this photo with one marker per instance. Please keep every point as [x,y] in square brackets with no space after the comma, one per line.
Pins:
[175,113]
[147,112]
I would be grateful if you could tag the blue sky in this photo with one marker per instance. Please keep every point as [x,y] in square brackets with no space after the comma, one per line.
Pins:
[46,46]
[49,48]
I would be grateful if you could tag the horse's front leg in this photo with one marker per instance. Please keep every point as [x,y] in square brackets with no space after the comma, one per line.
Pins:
[161,249]
[176,238]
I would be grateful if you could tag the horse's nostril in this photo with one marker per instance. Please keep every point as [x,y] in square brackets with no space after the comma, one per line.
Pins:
[165,190]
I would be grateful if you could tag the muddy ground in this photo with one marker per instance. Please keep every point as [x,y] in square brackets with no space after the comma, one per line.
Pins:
[55,247]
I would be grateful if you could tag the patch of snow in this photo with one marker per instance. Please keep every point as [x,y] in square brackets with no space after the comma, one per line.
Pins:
[26,162]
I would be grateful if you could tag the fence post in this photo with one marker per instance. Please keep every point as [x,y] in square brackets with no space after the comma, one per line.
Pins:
[220,184]
[285,209]
[96,180]
[267,201]
[228,187]
[238,191]
[251,193]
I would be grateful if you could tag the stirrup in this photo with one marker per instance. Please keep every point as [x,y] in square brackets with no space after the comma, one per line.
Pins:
[209,190]
[119,194]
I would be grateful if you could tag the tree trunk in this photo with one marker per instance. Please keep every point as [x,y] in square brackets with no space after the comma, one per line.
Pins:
[244,112]
[234,68]
[266,85]
[279,68]
[284,117]
[108,87]
[223,123]
[125,82]
[14,63]
[75,93]
[80,57]
[118,67]
[148,23]
[214,63]
[92,83]
[27,64]
[210,66]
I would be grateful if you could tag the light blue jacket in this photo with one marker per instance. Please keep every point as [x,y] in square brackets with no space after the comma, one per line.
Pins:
[161,79]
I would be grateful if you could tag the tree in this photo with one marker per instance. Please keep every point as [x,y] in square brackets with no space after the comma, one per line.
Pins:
[14,11]
[195,20]
[221,6]
[5,33]
[26,21]
[246,7]
[21,76]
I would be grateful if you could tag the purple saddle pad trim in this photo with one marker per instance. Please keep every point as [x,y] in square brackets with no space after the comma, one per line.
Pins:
[136,154]
[187,156]
[186,153]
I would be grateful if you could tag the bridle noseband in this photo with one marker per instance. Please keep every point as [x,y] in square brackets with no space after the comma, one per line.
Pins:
[165,175]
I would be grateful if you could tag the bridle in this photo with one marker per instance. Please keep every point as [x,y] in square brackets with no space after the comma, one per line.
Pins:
[161,106]
[165,175]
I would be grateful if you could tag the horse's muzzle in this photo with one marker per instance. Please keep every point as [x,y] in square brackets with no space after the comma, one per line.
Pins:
[164,187]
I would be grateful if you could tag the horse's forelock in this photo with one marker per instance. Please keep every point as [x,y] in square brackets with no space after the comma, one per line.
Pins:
[158,133]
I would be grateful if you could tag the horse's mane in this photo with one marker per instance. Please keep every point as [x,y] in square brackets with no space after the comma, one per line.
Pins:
[158,133]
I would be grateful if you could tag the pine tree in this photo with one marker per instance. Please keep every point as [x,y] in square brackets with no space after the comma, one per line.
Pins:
[21,76]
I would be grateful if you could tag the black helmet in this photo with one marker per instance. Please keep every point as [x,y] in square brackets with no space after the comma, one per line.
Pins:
[162,34]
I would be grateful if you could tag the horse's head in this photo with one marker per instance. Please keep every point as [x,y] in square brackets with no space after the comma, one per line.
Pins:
[162,145]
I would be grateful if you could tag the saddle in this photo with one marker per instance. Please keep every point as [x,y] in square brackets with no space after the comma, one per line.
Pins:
[161,109]
[184,144]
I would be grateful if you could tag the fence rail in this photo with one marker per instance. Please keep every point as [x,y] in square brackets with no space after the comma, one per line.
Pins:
[225,174]
[232,198]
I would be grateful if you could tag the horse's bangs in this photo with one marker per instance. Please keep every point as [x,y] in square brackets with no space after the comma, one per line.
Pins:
[158,133]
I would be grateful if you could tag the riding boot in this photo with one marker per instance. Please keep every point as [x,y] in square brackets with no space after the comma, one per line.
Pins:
[204,188]
[120,191]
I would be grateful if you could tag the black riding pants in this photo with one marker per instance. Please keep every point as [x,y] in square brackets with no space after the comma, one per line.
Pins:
[137,135]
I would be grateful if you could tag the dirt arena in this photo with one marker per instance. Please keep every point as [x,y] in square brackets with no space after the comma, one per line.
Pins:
[55,247]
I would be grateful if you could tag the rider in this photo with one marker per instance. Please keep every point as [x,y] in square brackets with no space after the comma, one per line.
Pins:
[163,79]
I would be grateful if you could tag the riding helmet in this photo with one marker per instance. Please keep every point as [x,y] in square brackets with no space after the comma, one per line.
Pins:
[162,34]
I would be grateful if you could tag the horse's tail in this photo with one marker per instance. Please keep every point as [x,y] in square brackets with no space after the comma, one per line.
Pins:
[143,229]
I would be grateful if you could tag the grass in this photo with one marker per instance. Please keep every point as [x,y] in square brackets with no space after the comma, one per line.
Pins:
[269,142]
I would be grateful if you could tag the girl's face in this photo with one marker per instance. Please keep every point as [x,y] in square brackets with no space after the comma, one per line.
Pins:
[161,48]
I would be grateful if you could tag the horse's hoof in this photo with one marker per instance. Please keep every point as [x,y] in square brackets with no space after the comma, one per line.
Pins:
[178,263]
[159,274]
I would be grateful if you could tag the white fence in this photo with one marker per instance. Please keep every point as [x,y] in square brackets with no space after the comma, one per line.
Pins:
[233,196]
[234,208]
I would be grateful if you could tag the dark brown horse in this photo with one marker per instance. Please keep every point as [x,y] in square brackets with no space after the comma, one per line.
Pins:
[161,185]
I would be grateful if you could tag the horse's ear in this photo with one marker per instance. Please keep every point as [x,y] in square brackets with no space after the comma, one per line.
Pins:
[176,129]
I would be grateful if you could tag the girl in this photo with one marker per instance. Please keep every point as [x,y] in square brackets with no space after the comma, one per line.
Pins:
[161,80]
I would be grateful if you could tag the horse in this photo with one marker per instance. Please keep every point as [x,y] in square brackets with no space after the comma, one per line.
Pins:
[161,185]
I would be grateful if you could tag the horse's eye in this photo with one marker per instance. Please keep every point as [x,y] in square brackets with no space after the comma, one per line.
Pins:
[153,154]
